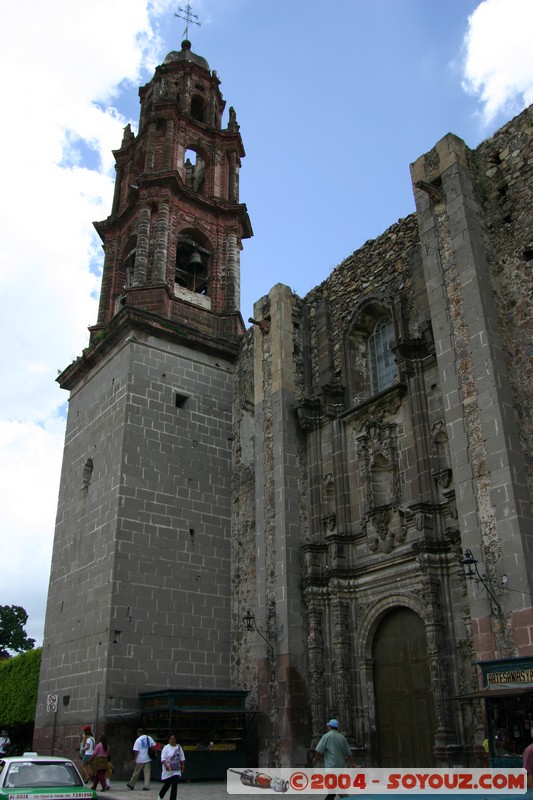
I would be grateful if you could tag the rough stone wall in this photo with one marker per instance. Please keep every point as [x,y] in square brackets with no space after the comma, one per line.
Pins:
[378,268]
[504,184]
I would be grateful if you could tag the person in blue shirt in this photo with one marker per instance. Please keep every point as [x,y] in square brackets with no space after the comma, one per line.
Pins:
[333,747]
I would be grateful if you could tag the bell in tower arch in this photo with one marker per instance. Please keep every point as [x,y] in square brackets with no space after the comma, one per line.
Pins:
[192,267]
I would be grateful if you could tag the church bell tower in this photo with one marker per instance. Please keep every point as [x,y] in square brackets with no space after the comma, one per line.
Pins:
[139,597]
[172,243]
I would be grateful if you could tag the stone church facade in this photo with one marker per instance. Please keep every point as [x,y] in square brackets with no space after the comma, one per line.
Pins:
[320,476]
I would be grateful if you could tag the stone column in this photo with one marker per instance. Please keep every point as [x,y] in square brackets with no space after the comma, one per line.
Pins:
[118,188]
[278,489]
[315,645]
[340,474]
[140,270]
[159,273]
[342,689]
[233,274]
[169,145]
[233,194]
[108,272]
[150,148]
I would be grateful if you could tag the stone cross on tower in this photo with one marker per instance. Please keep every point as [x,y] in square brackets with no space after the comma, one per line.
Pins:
[189,18]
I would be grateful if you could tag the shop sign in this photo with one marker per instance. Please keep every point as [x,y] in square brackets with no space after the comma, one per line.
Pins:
[511,676]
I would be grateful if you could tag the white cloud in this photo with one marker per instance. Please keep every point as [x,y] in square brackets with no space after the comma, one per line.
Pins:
[29,475]
[499,58]
[59,61]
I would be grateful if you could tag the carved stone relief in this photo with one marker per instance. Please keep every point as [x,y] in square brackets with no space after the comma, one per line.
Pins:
[378,457]
[315,647]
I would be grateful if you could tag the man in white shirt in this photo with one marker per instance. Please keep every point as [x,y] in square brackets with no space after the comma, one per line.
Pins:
[142,759]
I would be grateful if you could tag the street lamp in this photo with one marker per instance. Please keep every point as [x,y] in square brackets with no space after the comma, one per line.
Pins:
[470,566]
[250,624]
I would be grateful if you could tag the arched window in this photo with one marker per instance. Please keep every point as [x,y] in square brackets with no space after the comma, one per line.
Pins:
[380,355]
[197,108]
[370,363]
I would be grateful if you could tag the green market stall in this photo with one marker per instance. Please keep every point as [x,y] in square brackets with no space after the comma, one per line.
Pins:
[210,725]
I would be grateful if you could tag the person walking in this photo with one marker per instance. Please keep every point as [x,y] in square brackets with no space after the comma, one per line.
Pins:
[86,750]
[172,766]
[143,762]
[99,760]
[333,747]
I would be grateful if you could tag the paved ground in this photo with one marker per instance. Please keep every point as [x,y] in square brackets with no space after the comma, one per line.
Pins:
[193,790]
[216,790]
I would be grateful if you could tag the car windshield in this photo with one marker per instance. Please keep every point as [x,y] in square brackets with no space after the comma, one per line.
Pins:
[24,774]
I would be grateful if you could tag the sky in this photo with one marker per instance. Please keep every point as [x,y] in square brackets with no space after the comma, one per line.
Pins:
[334,100]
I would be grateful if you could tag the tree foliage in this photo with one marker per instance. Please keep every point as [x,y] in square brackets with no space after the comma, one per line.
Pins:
[12,634]
[19,682]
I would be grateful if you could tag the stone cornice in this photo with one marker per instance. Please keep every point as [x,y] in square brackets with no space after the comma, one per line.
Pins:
[106,338]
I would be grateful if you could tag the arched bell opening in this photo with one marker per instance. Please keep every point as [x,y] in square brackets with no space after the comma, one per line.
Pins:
[129,265]
[124,279]
[194,169]
[192,263]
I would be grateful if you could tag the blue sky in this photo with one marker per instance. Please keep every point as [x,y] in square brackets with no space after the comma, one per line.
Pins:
[334,99]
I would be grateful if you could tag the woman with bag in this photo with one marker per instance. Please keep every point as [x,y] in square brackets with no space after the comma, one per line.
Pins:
[172,766]
[99,761]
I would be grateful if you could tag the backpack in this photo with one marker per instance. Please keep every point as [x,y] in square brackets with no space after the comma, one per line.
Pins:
[151,751]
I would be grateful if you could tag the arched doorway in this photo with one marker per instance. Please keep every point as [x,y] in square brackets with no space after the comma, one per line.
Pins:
[405,713]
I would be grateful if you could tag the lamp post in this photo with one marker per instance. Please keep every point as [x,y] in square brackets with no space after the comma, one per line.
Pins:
[250,624]
[270,731]
[470,566]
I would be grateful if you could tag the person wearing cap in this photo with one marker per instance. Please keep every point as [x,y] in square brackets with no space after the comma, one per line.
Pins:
[87,746]
[333,747]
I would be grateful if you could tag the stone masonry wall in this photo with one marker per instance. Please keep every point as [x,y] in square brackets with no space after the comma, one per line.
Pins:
[140,588]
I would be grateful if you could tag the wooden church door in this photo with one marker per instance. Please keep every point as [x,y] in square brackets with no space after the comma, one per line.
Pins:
[404,704]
